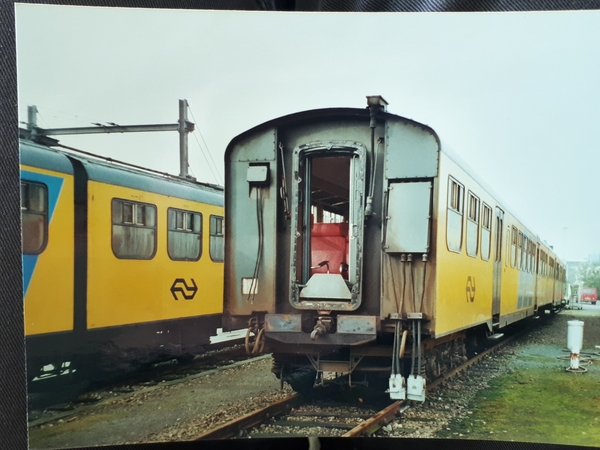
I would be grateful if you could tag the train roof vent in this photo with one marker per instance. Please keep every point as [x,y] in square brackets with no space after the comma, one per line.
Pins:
[378,101]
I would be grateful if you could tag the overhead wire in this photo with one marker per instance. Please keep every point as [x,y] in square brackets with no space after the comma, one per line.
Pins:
[215,173]
[206,153]
[78,117]
[217,178]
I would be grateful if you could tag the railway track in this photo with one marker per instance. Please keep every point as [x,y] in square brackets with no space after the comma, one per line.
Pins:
[67,393]
[296,416]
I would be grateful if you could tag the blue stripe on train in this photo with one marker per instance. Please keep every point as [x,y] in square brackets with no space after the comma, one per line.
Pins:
[54,185]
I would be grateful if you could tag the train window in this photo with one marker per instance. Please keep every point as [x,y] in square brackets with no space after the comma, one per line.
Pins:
[454,222]
[486,229]
[34,217]
[513,260]
[473,226]
[508,246]
[532,257]
[520,256]
[133,229]
[526,253]
[217,239]
[544,264]
[184,239]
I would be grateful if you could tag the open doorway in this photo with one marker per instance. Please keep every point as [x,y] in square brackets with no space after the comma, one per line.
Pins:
[327,224]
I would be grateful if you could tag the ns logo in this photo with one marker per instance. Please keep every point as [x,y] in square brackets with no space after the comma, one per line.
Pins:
[181,288]
[470,289]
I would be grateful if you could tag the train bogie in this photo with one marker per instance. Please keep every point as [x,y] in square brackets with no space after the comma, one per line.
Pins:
[349,229]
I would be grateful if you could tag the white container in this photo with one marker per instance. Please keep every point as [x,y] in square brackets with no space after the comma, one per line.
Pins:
[575,336]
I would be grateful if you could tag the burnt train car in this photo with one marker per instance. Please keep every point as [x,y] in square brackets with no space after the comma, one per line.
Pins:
[121,266]
[353,234]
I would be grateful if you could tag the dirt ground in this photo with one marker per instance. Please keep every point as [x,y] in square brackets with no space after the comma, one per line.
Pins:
[174,411]
[170,411]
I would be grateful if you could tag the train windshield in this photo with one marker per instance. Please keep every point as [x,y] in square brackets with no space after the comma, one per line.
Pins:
[327,222]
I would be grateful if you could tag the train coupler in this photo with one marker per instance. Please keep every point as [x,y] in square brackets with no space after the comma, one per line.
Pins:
[323,325]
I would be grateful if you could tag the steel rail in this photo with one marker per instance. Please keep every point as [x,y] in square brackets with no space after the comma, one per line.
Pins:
[378,420]
[366,428]
[384,416]
[233,427]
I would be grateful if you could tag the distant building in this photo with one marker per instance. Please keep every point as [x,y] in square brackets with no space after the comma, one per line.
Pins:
[594,258]
[572,270]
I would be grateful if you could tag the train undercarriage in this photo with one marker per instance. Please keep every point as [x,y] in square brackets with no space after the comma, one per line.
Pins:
[371,365]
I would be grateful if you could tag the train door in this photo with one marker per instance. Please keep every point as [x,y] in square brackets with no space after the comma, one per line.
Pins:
[497,282]
[327,225]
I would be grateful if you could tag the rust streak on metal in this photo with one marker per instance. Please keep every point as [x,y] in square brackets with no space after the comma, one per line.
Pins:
[371,425]
[233,427]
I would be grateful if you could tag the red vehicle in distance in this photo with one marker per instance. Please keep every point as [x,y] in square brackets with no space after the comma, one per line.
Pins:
[589,294]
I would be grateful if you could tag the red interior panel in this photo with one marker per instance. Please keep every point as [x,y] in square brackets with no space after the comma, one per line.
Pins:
[329,242]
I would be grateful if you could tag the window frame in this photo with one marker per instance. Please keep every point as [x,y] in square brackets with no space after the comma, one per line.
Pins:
[221,219]
[25,209]
[134,225]
[473,217]
[513,247]
[184,230]
[455,205]
[486,209]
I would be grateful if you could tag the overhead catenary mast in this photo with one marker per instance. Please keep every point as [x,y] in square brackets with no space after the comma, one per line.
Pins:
[183,126]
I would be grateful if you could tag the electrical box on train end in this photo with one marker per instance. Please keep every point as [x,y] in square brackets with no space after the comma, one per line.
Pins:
[258,174]
[408,217]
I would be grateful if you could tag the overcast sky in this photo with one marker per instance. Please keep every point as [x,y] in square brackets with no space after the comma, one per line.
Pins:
[516,95]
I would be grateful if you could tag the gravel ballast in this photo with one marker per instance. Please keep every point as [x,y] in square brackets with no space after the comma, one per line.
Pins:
[181,410]
[523,393]
[170,411]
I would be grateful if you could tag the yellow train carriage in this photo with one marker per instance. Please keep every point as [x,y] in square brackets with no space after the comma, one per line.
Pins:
[122,266]
[152,279]
[368,229]
[487,262]
[464,254]
[47,193]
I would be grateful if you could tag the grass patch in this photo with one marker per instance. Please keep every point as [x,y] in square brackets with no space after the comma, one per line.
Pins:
[536,405]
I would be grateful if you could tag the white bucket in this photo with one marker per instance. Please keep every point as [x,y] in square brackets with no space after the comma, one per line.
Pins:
[575,336]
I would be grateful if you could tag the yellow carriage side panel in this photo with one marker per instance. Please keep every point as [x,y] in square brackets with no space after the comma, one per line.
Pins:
[517,284]
[510,289]
[129,291]
[510,275]
[48,276]
[463,283]
[463,288]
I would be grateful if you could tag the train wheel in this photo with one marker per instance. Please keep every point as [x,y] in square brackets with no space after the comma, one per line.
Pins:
[301,379]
